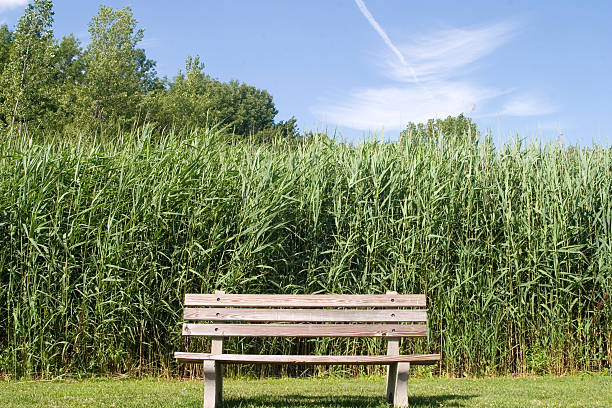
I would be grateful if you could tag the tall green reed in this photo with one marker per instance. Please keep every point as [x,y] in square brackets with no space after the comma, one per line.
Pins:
[100,239]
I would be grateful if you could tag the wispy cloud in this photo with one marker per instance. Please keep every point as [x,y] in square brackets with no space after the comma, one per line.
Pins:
[149,42]
[527,105]
[9,4]
[442,54]
[430,81]
[394,107]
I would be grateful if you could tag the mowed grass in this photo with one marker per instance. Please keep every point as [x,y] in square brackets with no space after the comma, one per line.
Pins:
[577,391]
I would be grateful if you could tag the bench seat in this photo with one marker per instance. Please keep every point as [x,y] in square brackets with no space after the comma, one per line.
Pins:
[414,359]
[391,317]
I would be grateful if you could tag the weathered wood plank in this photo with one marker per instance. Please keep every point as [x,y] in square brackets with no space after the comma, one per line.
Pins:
[256,300]
[416,359]
[305,330]
[306,315]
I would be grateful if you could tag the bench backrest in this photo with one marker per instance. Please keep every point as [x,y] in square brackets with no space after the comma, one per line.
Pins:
[263,315]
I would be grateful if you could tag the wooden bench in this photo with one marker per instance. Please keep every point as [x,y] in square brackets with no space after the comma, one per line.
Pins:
[306,316]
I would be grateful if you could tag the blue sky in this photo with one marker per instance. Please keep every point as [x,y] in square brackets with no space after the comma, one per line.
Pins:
[537,69]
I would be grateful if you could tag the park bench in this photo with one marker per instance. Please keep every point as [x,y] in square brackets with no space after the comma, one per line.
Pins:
[306,316]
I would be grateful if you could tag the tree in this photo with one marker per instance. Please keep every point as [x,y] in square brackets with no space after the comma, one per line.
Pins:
[117,74]
[244,108]
[196,99]
[27,79]
[183,102]
[6,40]
[69,61]
[70,70]
[460,126]
[284,129]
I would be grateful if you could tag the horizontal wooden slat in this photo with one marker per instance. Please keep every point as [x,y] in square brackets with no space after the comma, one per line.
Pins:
[306,315]
[261,300]
[296,359]
[305,330]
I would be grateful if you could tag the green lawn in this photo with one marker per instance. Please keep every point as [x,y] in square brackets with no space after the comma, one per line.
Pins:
[578,391]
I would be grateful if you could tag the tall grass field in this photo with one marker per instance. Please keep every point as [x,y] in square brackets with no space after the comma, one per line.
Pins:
[101,239]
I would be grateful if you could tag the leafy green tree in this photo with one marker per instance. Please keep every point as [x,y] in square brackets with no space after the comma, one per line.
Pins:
[244,108]
[6,39]
[27,88]
[70,67]
[283,129]
[196,99]
[69,60]
[184,102]
[287,128]
[460,126]
[117,73]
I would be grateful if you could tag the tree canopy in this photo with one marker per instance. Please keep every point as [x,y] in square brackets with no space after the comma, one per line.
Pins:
[453,126]
[27,78]
[56,85]
[117,73]
[193,98]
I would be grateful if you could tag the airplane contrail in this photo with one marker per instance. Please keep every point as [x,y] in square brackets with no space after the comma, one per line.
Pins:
[366,13]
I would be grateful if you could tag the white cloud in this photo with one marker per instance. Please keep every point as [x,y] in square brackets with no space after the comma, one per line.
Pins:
[425,88]
[441,54]
[9,4]
[527,105]
[393,107]
[430,81]
[551,125]
[149,42]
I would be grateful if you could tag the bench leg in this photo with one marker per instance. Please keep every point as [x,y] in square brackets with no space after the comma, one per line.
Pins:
[393,344]
[391,379]
[400,399]
[216,347]
[213,384]
[219,382]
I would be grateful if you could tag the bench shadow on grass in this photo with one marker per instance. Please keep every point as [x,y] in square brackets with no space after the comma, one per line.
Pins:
[343,401]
